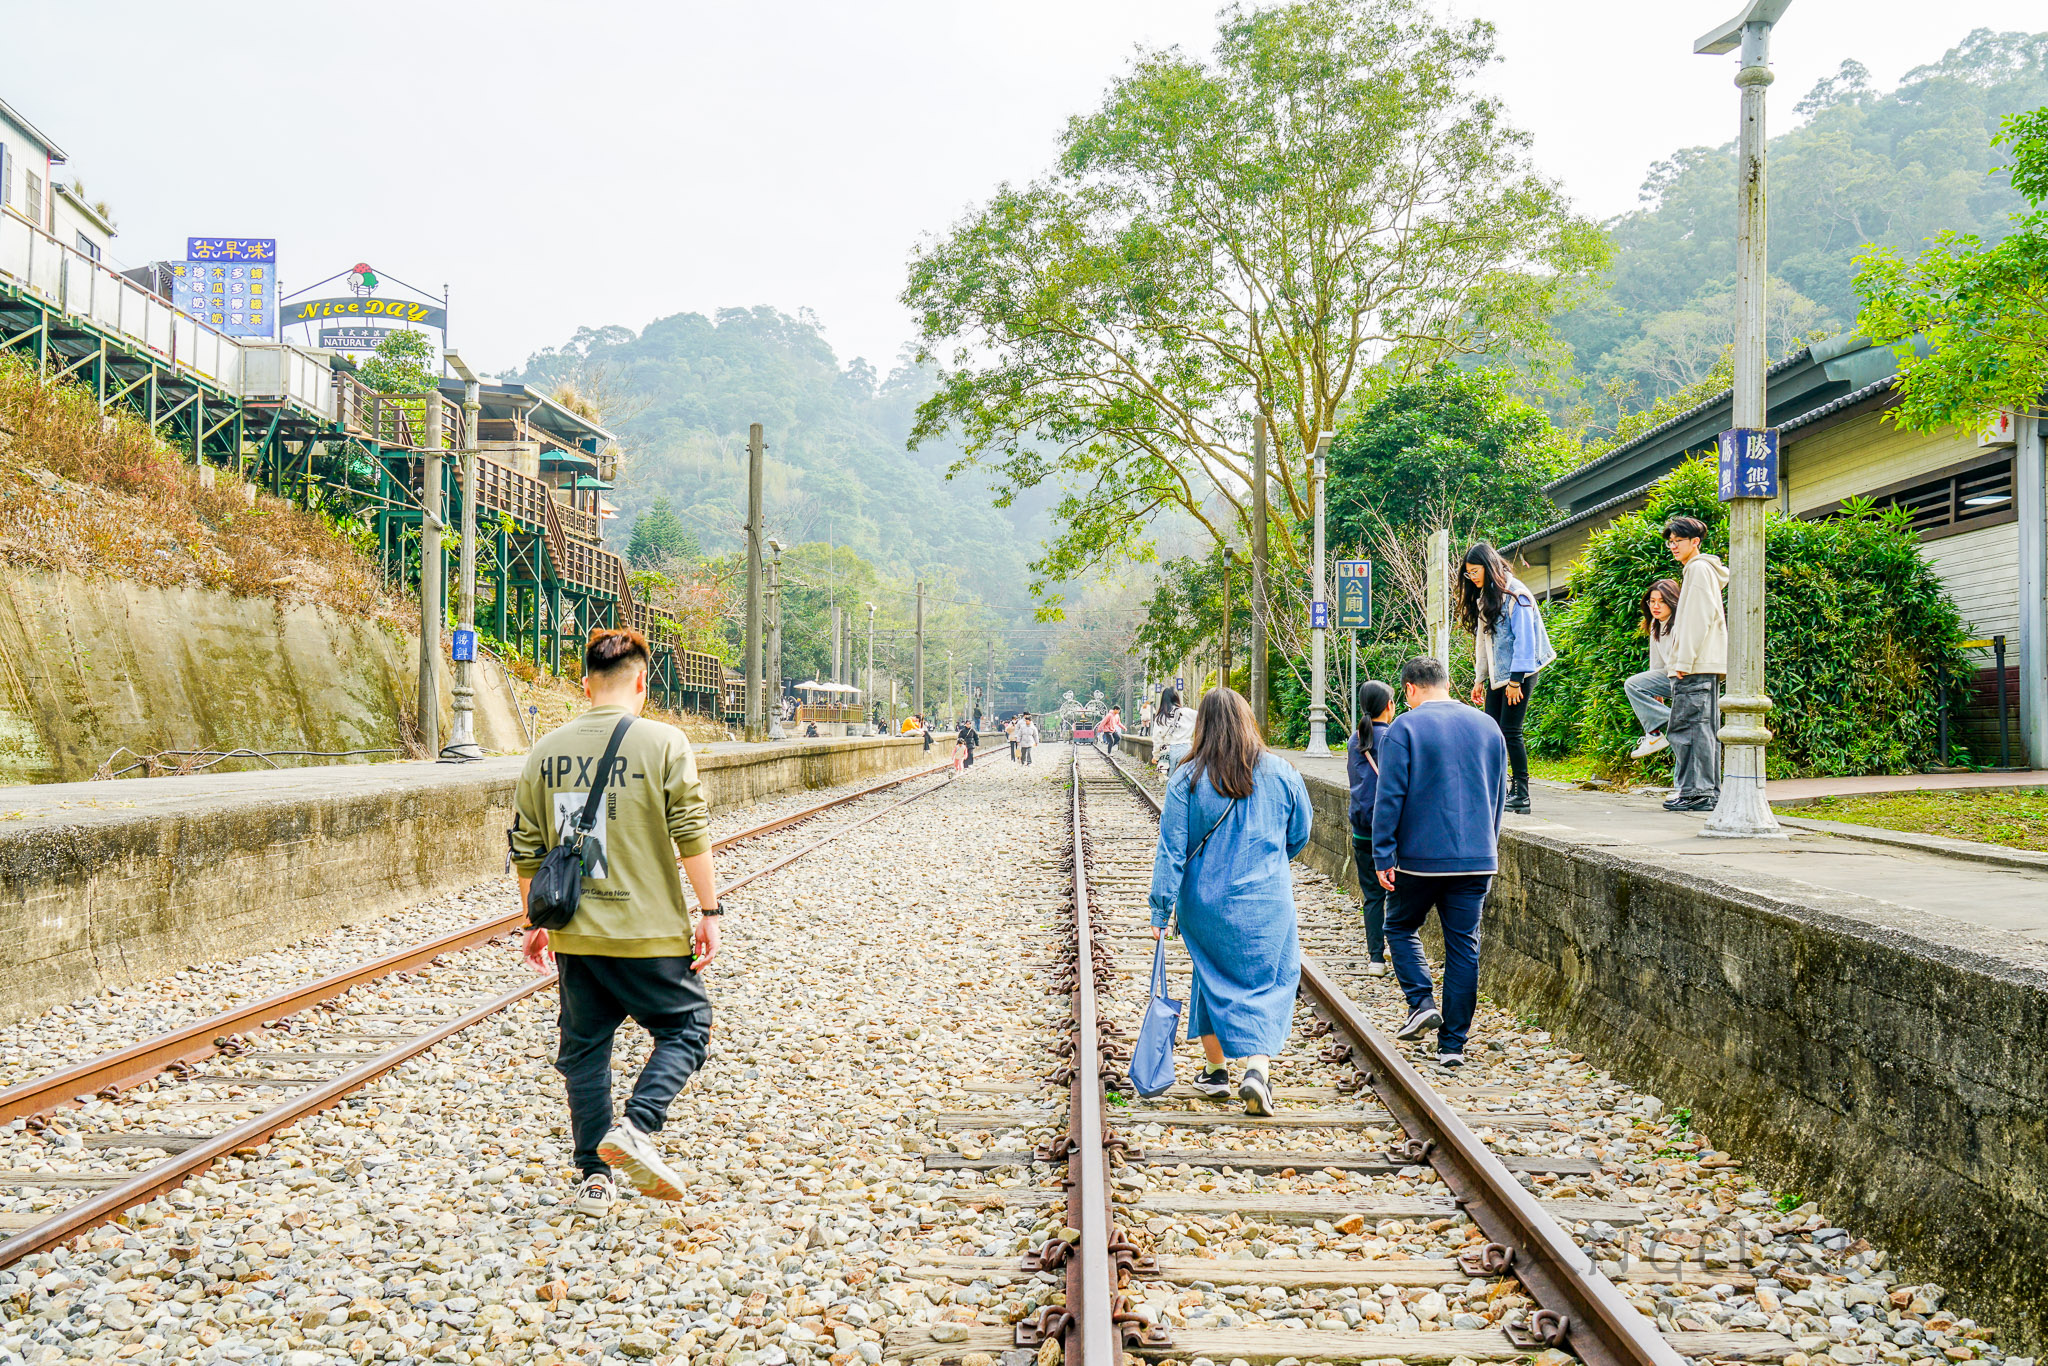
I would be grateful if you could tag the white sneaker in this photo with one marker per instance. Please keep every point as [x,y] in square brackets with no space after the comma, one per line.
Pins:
[634,1153]
[1450,1060]
[596,1196]
[1649,745]
[1375,969]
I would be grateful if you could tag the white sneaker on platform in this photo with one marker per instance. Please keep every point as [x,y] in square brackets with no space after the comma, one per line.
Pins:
[634,1153]
[1649,745]
[1375,969]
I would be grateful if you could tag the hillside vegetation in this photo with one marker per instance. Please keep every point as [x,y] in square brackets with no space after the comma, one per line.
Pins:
[681,392]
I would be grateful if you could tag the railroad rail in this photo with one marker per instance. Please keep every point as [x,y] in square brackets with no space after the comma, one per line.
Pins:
[1575,1306]
[175,1052]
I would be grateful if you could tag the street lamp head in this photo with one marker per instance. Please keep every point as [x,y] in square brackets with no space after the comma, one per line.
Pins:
[1729,35]
[1323,440]
[774,546]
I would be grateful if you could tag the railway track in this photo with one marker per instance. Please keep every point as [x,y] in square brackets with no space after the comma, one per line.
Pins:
[269,1064]
[1415,1239]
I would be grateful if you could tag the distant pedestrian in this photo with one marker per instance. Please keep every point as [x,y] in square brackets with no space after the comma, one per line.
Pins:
[966,738]
[1436,846]
[1112,730]
[1027,738]
[1697,658]
[1375,706]
[1509,648]
[1649,692]
[811,730]
[1173,731]
[1234,817]
[1010,734]
[629,950]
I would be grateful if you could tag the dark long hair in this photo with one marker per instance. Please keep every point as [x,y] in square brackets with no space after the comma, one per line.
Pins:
[1169,703]
[1666,589]
[1226,746]
[1374,697]
[1477,604]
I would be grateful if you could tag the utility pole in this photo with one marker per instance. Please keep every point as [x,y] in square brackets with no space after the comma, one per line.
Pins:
[1319,622]
[917,680]
[833,676]
[951,713]
[1742,812]
[990,686]
[774,670]
[871,660]
[1229,561]
[433,579]
[757,458]
[1436,595]
[462,741]
[1259,518]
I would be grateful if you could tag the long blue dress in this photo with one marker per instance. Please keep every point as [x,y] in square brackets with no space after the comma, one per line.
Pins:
[1236,903]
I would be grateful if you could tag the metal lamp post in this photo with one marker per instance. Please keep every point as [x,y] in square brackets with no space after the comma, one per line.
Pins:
[1319,612]
[1742,811]
[871,659]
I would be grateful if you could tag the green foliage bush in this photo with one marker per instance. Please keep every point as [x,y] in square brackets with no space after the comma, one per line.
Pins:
[1857,627]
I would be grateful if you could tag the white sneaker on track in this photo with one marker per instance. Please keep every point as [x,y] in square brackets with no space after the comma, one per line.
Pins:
[634,1153]
[596,1196]
[1375,969]
[1428,1017]
[1450,1060]
[1213,1082]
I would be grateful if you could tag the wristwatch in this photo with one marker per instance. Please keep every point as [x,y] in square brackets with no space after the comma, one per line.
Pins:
[711,910]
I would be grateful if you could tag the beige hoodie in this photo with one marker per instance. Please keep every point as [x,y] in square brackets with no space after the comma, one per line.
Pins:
[1698,643]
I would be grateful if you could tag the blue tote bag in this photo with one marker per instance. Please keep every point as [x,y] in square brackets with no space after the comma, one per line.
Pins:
[1152,1058]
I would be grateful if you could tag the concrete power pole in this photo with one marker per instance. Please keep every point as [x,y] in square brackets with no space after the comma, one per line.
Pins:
[433,579]
[871,661]
[1319,704]
[462,742]
[1223,668]
[774,670]
[1436,595]
[834,677]
[757,453]
[1259,519]
[917,676]
[1742,812]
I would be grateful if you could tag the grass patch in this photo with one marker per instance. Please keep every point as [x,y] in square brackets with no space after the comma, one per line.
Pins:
[1572,768]
[2017,820]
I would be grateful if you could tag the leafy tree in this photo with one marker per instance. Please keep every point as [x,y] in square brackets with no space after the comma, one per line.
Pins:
[1858,625]
[1982,310]
[660,536]
[399,364]
[1330,202]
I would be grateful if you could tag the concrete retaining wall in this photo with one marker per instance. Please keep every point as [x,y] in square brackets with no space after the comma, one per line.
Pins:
[104,885]
[1887,1063]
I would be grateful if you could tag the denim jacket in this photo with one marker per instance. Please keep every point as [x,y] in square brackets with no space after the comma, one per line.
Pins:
[1521,645]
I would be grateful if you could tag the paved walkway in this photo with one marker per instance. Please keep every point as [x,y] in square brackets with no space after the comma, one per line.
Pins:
[1918,872]
[1802,789]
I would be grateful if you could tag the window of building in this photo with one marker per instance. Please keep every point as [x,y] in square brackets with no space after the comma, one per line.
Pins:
[1966,497]
[88,246]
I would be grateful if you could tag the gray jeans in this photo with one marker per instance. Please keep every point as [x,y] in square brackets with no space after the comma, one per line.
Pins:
[1694,735]
[1649,693]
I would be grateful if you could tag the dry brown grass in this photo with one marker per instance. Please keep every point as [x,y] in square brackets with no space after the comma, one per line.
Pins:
[83,495]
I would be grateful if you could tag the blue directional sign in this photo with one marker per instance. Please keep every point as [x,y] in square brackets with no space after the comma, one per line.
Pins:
[1354,595]
[1749,463]
[1319,615]
[464,650]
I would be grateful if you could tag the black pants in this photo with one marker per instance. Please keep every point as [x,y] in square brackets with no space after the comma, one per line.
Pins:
[598,994]
[1508,715]
[1373,899]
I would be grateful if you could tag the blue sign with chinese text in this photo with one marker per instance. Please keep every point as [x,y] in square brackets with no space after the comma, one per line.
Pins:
[1319,615]
[1749,463]
[229,283]
[464,649]
[1354,595]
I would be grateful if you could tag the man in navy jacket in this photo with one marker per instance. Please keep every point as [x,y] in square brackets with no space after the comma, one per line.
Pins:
[1436,846]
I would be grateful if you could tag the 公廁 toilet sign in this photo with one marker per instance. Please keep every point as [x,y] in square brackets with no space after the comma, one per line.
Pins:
[1749,463]
[1354,595]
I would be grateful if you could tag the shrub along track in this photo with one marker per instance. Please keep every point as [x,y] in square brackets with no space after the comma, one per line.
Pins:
[1490,1273]
[165,1065]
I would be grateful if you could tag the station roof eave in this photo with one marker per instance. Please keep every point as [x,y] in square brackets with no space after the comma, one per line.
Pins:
[557,424]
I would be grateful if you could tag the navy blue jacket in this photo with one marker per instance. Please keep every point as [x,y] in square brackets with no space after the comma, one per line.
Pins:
[1443,771]
[1365,784]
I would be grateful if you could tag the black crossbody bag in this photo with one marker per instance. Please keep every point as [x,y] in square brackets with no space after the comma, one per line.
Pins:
[557,886]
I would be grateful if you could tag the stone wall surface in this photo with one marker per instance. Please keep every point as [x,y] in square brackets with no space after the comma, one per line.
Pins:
[92,666]
[104,885]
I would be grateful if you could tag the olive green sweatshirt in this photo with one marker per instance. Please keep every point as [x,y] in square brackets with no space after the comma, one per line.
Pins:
[653,811]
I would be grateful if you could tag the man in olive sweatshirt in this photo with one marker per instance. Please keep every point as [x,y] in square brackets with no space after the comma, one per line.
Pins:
[1696,656]
[629,950]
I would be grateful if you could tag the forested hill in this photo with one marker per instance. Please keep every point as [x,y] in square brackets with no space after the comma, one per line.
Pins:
[1854,166]
[681,392]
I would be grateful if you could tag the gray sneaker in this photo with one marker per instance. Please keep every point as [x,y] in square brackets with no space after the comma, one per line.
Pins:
[634,1153]
[1257,1096]
[596,1196]
[1428,1017]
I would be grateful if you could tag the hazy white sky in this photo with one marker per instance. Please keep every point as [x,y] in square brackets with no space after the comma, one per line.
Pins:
[614,161]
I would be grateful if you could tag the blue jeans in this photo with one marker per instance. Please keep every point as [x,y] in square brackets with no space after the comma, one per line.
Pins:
[599,994]
[1373,898]
[1457,900]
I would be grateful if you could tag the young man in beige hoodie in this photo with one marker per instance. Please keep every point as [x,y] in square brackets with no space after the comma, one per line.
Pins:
[629,951]
[1697,659]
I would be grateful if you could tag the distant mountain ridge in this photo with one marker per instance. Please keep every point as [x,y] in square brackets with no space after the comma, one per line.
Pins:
[681,392]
